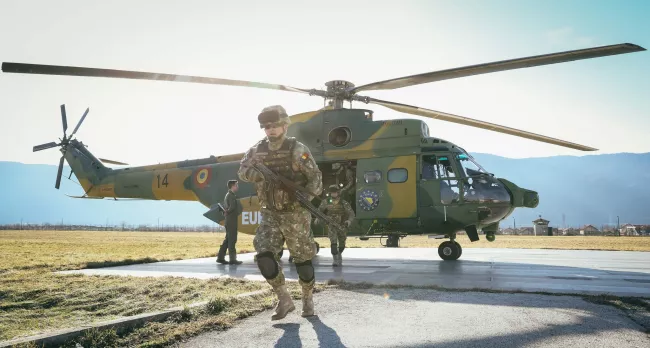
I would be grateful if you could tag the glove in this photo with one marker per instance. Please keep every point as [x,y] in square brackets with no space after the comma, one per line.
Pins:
[348,223]
[316,221]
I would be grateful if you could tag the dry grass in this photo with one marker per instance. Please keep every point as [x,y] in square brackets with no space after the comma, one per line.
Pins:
[517,242]
[34,300]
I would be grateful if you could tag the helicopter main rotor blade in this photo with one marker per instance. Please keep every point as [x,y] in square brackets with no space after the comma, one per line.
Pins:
[526,62]
[113,162]
[414,110]
[22,68]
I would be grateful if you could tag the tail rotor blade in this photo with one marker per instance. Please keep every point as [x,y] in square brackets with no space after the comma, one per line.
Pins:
[79,124]
[45,146]
[64,119]
[59,173]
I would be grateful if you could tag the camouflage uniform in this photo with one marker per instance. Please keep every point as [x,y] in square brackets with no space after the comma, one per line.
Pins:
[343,177]
[283,218]
[340,211]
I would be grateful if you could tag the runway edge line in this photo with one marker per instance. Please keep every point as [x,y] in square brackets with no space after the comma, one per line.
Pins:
[60,336]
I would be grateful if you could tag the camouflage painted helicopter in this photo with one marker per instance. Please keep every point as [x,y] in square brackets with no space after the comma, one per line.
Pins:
[407,182]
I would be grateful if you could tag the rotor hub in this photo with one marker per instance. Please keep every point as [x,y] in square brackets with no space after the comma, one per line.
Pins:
[338,92]
[338,85]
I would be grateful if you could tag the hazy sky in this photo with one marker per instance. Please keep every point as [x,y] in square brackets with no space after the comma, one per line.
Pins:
[601,102]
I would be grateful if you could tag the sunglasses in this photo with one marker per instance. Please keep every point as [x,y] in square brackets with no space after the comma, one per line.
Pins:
[271,125]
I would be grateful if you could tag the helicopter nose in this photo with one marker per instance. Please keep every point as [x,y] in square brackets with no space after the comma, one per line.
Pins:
[531,198]
[521,197]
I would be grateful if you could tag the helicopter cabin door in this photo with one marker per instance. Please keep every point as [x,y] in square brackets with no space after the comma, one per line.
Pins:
[386,188]
[440,199]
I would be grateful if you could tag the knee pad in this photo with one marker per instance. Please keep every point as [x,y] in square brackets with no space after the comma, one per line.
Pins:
[305,271]
[267,265]
[334,249]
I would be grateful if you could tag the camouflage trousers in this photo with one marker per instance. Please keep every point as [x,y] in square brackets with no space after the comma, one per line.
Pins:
[292,227]
[337,237]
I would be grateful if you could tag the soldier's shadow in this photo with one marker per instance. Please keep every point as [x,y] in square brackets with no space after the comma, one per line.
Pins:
[326,336]
[291,336]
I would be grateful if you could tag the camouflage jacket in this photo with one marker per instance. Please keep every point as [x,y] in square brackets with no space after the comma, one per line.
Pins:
[293,160]
[340,211]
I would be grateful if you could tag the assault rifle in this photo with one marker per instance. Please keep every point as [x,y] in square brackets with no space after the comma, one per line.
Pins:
[299,192]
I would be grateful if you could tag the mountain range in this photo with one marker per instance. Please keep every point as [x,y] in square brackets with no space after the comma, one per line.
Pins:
[574,191]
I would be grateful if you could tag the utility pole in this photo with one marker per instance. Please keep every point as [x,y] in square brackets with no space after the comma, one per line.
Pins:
[618,228]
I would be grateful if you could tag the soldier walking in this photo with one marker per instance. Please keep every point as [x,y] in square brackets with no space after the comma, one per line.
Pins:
[340,211]
[232,210]
[283,218]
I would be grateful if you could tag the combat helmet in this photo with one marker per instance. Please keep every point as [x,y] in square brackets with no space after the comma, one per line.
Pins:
[333,188]
[274,114]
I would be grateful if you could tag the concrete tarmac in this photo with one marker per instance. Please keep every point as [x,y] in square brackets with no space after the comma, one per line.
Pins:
[540,270]
[430,318]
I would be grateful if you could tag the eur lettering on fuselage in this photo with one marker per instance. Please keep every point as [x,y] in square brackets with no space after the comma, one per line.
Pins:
[251,218]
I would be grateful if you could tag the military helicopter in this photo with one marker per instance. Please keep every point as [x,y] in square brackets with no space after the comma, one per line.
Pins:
[406,181]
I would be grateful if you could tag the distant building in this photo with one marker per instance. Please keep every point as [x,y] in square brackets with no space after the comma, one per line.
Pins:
[540,227]
[589,230]
[629,230]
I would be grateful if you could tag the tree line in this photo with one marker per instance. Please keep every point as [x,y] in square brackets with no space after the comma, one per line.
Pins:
[112,227]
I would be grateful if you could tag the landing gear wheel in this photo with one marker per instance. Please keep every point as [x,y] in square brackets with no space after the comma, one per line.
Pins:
[460,249]
[449,251]
[393,241]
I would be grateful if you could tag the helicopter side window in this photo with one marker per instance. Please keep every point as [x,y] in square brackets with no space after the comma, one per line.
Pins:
[429,167]
[449,191]
[397,175]
[449,188]
[372,176]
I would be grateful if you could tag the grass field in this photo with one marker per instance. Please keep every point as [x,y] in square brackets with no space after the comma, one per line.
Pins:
[34,300]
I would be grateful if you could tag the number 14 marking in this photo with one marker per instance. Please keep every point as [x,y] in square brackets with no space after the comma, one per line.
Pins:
[164,181]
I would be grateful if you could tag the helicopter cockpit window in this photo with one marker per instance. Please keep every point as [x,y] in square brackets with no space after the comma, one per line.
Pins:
[445,170]
[469,166]
[397,175]
[373,176]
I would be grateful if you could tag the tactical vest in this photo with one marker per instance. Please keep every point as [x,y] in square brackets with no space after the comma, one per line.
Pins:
[280,162]
[336,211]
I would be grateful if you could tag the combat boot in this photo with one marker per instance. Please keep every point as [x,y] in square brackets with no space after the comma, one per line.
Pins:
[233,259]
[307,302]
[340,255]
[285,304]
[336,260]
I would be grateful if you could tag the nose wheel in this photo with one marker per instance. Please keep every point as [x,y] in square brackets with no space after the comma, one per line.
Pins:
[450,251]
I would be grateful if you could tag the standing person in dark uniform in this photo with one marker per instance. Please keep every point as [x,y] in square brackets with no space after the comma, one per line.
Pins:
[232,210]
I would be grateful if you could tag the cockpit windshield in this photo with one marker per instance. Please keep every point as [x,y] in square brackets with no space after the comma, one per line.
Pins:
[470,166]
[476,184]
